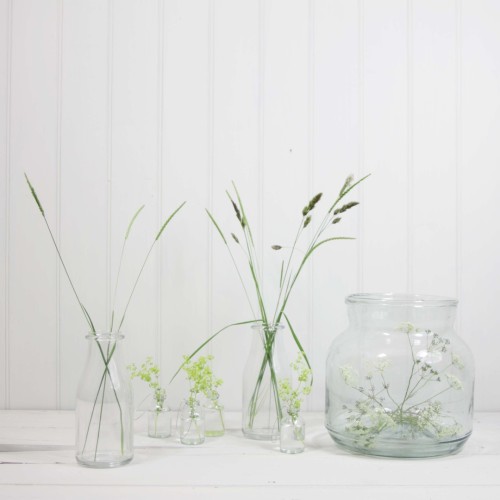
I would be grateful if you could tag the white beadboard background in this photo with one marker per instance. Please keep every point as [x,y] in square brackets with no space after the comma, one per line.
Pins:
[108,104]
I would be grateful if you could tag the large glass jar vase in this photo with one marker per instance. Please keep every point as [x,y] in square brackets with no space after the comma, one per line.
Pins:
[399,381]
[104,405]
[262,411]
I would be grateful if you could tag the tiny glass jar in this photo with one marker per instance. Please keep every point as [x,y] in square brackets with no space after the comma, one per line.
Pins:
[104,405]
[399,381]
[214,417]
[192,424]
[160,421]
[292,433]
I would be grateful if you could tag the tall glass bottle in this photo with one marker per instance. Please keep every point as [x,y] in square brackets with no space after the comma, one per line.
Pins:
[104,405]
[262,411]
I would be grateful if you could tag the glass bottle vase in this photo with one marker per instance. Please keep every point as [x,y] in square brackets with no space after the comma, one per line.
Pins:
[214,418]
[104,405]
[192,425]
[262,412]
[159,422]
[292,433]
[399,380]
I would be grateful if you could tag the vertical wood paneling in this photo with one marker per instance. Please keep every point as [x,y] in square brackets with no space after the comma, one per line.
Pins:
[135,172]
[434,147]
[336,152]
[33,148]
[83,182]
[108,105]
[480,244]
[286,178]
[5,52]
[185,177]
[385,209]
[236,157]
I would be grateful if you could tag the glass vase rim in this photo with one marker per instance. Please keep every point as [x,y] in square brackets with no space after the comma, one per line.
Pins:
[258,325]
[401,299]
[105,336]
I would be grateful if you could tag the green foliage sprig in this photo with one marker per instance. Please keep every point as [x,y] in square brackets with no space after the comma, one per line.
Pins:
[292,396]
[201,378]
[149,372]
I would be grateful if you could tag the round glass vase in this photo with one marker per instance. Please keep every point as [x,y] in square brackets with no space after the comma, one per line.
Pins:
[160,421]
[104,405]
[214,417]
[262,412]
[399,381]
[192,426]
[292,433]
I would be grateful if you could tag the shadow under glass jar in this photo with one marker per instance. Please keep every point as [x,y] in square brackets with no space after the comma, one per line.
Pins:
[399,381]
[104,405]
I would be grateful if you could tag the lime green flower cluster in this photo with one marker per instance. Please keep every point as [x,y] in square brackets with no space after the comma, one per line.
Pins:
[201,378]
[150,372]
[291,397]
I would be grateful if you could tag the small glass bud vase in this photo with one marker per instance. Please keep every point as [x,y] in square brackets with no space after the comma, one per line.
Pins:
[160,422]
[192,425]
[292,433]
[214,417]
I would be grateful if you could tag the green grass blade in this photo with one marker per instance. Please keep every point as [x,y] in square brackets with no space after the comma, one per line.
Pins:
[33,192]
[326,241]
[194,353]
[131,223]
[216,226]
[168,220]
[299,345]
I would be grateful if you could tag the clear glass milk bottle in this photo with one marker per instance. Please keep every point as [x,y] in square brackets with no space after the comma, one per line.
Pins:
[399,381]
[104,405]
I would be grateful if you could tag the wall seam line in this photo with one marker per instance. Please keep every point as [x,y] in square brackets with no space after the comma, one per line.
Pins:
[261,128]
[60,21]
[311,161]
[211,158]
[458,153]
[361,144]
[409,160]
[109,159]
[8,183]
[159,177]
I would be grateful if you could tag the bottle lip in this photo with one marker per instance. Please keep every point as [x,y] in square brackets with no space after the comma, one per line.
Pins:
[401,299]
[105,336]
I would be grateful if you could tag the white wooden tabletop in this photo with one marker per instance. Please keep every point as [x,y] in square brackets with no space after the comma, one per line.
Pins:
[37,461]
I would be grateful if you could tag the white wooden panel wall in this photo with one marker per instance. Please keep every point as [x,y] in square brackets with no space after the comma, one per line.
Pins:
[112,104]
